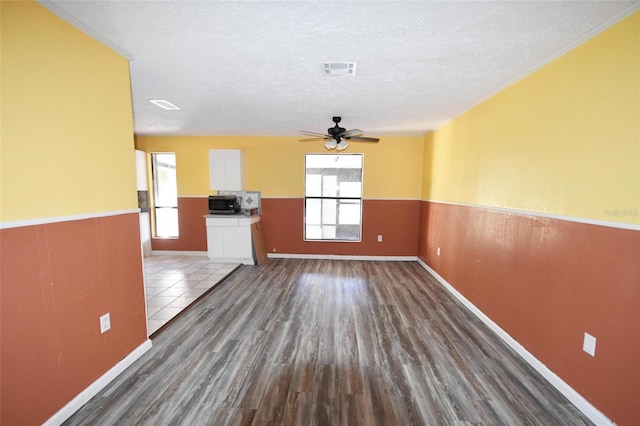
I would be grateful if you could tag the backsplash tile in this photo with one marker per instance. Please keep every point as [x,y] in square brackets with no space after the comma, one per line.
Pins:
[250,199]
[143,201]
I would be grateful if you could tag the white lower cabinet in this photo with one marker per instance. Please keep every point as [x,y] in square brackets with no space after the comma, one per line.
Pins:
[229,239]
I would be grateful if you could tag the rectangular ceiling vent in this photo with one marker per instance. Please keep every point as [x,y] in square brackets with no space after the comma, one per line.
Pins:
[164,104]
[339,68]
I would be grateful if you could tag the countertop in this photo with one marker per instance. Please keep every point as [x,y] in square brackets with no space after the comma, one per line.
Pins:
[233,215]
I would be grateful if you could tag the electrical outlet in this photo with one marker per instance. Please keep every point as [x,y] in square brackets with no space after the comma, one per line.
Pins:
[379,238]
[589,344]
[438,251]
[105,322]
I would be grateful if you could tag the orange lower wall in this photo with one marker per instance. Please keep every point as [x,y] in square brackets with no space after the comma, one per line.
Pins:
[395,220]
[191,227]
[57,280]
[546,282]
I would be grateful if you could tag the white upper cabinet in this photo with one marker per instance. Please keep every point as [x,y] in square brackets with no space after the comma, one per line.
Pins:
[141,171]
[226,170]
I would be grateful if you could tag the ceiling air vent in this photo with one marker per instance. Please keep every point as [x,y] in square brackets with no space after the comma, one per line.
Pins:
[164,104]
[339,68]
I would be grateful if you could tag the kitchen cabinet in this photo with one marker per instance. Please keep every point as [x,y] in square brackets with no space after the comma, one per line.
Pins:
[226,170]
[229,238]
[143,201]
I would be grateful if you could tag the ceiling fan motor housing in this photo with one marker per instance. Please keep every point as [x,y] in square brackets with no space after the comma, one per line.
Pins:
[336,130]
[336,134]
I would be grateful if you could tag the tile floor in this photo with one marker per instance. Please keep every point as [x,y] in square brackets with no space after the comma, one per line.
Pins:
[174,282]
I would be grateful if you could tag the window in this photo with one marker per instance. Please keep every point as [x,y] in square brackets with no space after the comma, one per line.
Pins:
[165,194]
[333,197]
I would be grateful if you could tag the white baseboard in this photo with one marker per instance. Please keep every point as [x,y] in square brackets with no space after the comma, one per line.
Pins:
[595,415]
[178,253]
[83,397]
[341,257]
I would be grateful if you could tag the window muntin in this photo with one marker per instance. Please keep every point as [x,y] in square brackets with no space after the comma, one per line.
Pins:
[333,197]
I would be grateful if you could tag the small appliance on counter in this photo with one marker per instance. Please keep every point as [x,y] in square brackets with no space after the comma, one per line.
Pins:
[249,201]
[224,204]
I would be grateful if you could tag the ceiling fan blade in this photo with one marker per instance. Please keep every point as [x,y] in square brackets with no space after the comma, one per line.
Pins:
[313,139]
[362,139]
[352,132]
[304,132]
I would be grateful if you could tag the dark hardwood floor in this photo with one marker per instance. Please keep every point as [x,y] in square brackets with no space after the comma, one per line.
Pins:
[311,342]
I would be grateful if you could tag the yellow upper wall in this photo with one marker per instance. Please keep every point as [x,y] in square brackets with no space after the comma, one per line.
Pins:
[564,140]
[275,165]
[67,127]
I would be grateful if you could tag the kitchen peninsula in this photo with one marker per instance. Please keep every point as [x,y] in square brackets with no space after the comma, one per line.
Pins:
[229,238]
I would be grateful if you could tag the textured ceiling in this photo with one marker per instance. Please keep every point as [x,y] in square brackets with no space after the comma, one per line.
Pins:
[238,68]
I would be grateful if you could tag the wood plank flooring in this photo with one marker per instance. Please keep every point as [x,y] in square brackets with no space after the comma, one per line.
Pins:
[315,342]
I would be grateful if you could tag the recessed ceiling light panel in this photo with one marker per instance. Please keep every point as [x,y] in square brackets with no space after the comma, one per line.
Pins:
[339,68]
[164,104]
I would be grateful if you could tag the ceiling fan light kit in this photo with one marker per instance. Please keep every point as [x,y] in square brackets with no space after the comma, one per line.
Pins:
[332,144]
[337,137]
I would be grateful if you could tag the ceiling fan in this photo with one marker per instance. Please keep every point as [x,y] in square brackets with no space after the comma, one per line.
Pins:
[337,136]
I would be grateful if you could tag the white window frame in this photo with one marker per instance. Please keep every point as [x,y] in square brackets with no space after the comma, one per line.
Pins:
[338,198]
[156,207]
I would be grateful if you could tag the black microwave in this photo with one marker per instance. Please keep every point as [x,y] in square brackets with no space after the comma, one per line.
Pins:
[224,204]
